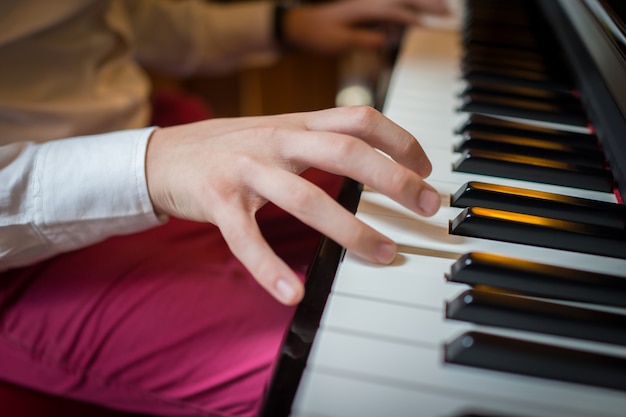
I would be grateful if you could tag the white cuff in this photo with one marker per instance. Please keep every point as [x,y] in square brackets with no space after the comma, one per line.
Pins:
[92,187]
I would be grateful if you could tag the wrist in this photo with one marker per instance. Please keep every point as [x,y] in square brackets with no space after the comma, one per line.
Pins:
[153,177]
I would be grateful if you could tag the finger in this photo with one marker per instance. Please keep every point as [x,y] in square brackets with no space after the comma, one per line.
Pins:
[405,12]
[242,234]
[433,6]
[419,6]
[351,157]
[377,130]
[314,207]
[364,38]
[401,12]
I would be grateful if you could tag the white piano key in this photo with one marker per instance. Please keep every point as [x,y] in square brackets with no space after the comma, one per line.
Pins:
[402,282]
[418,366]
[371,200]
[446,188]
[378,351]
[442,171]
[411,230]
[364,397]
[426,324]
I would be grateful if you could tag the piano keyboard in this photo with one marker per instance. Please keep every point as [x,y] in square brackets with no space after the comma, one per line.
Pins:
[411,339]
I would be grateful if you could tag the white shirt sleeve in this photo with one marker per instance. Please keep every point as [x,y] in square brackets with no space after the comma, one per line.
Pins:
[66,194]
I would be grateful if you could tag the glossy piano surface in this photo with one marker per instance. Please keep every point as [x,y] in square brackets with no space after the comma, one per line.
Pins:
[380,343]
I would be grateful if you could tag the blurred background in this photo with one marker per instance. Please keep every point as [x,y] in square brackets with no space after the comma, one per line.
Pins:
[296,81]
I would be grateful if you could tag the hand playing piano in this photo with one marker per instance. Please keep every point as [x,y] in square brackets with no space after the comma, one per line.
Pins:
[223,170]
[344,25]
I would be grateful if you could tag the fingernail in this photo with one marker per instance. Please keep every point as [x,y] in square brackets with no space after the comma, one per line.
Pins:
[286,291]
[386,253]
[429,201]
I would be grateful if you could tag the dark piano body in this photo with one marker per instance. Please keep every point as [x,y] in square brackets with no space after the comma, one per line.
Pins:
[533,338]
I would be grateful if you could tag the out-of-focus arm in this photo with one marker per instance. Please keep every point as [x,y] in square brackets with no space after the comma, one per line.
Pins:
[66,194]
[195,36]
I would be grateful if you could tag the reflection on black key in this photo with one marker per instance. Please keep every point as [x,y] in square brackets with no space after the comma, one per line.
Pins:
[482,76]
[538,280]
[483,56]
[513,227]
[490,70]
[511,37]
[496,55]
[526,168]
[484,123]
[517,91]
[515,312]
[537,203]
[475,60]
[563,142]
[522,357]
[532,147]
[523,108]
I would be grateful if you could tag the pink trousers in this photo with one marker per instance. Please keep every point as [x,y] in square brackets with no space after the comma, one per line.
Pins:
[165,322]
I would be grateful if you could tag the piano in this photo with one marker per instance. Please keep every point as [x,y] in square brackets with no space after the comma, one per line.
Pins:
[511,301]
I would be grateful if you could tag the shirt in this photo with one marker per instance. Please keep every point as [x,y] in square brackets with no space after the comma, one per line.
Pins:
[74,105]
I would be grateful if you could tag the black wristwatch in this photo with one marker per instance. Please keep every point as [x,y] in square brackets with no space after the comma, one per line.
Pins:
[281,8]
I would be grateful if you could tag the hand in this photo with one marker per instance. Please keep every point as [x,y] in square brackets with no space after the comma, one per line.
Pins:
[223,170]
[344,25]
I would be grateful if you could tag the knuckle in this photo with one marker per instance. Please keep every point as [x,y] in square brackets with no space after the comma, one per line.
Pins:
[405,144]
[365,115]
[360,237]
[243,161]
[246,164]
[302,197]
[400,180]
[237,235]
[345,147]
[266,271]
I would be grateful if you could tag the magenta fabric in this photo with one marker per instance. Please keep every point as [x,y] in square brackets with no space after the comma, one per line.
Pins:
[165,322]
[172,107]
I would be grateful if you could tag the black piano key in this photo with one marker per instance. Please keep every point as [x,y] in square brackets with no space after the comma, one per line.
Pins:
[513,39]
[494,58]
[482,75]
[525,229]
[522,108]
[513,13]
[511,36]
[517,91]
[532,147]
[573,143]
[537,203]
[565,102]
[525,97]
[496,54]
[522,313]
[526,168]
[538,280]
[486,351]
[511,62]
[486,124]
[522,75]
